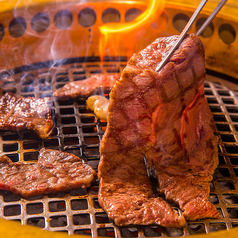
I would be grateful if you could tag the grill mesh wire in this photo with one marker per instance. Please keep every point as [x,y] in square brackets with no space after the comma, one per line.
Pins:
[77,131]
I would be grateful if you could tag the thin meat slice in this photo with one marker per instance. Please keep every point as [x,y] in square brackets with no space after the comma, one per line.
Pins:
[18,113]
[148,118]
[53,172]
[96,84]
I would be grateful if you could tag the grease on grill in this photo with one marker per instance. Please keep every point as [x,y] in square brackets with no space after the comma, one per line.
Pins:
[77,131]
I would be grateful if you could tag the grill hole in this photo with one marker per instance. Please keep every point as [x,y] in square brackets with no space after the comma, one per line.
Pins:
[69,130]
[233,212]
[223,93]
[10,147]
[195,228]
[12,210]
[31,145]
[78,192]
[13,157]
[228,100]
[111,15]
[57,206]
[214,199]
[174,232]
[40,22]
[71,141]
[208,31]
[208,92]
[58,221]
[234,118]
[108,232]
[17,27]
[81,219]
[180,21]
[217,226]
[92,151]
[51,143]
[101,218]
[215,109]
[221,160]
[236,172]
[226,185]
[220,118]
[79,204]
[90,119]
[34,208]
[87,17]
[66,111]
[62,79]
[152,231]
[10,136]
[223,127]
[31,156]
[227,138]
[27,89]
[129,232]
[212,101]
[232,109]
[231,149]
[131,14]
[89,140]
[68,120]
[89,129]
[234,160]
[63,19]
[227,33]
[39,222]
[96,203]
[230,198]
[10,197]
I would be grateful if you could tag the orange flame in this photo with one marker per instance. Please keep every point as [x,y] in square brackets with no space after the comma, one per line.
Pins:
[117,33]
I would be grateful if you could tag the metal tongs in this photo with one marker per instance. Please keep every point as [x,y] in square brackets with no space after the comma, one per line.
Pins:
[187,28]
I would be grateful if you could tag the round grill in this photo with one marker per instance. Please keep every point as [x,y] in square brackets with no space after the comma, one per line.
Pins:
[33,72]
[78,131]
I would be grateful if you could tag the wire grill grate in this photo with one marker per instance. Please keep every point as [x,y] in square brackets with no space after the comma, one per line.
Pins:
[77,131]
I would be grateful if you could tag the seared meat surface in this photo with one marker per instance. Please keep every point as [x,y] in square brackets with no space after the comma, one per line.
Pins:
[18,113]
[96,84]
[54,171]
[164,117]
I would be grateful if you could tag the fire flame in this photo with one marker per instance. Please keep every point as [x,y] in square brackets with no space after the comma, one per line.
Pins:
[117,34]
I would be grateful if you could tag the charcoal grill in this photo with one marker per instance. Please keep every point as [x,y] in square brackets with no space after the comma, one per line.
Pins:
[30,70]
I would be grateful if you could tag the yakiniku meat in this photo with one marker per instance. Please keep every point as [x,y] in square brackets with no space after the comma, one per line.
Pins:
[162,117]
[99,105]
[18,113]
[53,172]
[96,84]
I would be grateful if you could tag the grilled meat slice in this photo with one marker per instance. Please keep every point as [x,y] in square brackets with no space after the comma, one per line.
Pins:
[54,171]
[148,114]
[96,84]
[18,113]
[126,193]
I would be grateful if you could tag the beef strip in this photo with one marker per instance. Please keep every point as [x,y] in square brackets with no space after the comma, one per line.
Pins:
[18,113]
[164,117]
[54,171]
[96,84]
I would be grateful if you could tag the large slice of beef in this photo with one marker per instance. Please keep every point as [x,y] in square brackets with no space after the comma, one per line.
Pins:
[18,113]
[96,84]
[164,117]
[53,172]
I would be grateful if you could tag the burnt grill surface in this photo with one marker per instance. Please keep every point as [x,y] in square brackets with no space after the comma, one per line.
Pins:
[77,131]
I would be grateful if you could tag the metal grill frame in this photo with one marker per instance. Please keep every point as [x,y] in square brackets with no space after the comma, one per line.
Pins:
[78,131]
